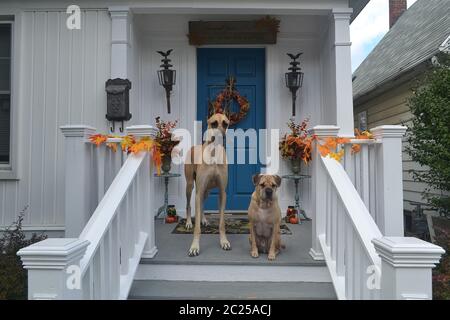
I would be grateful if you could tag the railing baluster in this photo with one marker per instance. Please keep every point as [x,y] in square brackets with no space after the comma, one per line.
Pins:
[357,182]
[136,227]
[130,217]
[340,241]
[365,288]
[349,165]
[349,256]
[365,195]
[104,268]
[115,258]
[328,213]
[372,182]
[97,276]
[334,227]
[98,164]
[124,243]
[356,267]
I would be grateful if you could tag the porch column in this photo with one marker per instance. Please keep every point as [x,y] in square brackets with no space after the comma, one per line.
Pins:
[120,41]
[78,178]
[146,212]
[341,61]
[406,265]
[389,179]
[319,183]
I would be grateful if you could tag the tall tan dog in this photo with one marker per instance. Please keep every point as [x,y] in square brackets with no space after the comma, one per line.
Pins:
[208,169]
[265,217]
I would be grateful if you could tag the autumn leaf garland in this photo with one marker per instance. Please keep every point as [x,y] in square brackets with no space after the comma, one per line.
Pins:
[129,144]
[298,143]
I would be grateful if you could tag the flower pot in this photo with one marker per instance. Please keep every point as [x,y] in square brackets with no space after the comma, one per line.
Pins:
[295,165]
[166,164]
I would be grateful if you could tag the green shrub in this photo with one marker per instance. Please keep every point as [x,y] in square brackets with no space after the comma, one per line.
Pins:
[13,278]
[441,274]
[429,135]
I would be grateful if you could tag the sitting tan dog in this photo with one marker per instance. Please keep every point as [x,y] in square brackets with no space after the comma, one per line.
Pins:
[265,217]
[208,169]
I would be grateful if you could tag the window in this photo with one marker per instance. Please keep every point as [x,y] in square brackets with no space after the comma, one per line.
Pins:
[5,91]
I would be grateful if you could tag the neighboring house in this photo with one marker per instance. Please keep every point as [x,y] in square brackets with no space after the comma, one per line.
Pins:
[384,81]
[99,206]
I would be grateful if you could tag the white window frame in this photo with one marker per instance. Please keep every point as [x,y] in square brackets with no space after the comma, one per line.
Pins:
[10,171]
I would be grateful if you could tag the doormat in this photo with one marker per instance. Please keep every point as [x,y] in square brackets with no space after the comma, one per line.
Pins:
[232,226]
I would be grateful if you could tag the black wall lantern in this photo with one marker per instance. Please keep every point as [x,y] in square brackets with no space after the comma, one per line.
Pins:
[294,78]
[166,76]
[118,101]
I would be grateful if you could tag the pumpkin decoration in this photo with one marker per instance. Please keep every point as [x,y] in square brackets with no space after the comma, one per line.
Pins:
[293,219]
[171,214]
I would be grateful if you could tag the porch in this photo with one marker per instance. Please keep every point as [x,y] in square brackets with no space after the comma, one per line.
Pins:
[173,248]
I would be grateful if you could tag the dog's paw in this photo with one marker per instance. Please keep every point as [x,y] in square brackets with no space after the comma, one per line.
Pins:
[194,250]
[255,253]
[188,225]
[272,256]
[205,222]
[225,244]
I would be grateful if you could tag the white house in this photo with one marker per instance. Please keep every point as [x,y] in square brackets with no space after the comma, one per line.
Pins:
[98,206]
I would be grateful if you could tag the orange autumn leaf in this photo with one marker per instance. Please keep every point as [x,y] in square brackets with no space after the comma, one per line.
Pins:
[356,148]
[127,142]
[324,150]
[337,155]
[363,135]
[157,159]
[342,140]
[331,143]
[98,139]
[112,146]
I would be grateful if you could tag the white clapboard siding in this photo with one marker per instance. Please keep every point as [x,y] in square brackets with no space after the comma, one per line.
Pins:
[62,82]
[391,108]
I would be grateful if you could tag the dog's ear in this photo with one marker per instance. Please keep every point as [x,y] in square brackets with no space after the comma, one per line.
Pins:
[277,180]
[256,178]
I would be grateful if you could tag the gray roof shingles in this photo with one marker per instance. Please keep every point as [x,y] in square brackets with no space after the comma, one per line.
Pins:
[415,38]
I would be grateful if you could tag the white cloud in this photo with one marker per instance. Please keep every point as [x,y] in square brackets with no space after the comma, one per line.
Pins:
[368,28]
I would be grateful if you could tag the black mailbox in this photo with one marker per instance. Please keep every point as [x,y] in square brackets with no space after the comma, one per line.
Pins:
[118,100]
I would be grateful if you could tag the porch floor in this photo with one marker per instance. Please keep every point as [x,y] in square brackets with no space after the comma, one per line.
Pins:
[173,248]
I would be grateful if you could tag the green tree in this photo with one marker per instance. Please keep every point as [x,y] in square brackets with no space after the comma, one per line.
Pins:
[429,135]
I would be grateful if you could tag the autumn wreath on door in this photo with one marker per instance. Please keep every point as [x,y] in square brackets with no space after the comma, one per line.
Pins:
[225,99]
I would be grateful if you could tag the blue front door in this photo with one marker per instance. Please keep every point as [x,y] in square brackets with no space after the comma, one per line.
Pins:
[247,66]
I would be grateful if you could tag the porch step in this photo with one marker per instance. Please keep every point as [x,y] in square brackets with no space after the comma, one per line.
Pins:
[161,289]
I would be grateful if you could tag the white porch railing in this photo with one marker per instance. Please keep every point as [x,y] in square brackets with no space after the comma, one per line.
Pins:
[363,262]
[101,262]
[376,173]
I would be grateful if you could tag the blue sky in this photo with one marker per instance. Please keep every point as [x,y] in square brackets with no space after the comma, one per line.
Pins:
[369,28]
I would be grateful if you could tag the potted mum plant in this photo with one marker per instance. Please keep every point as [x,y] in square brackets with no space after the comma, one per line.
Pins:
[166,141]
[296,146]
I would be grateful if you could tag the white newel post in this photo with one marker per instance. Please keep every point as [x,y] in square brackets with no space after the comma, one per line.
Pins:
[343,71]
[54,268]
[146,212]
[78,175]
[319,187]
[406,265]
[389,179]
